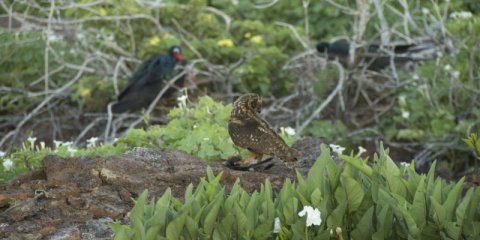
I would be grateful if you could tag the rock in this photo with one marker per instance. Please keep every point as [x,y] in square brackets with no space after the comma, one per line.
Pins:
[69,233]
[73,198]
[97,229]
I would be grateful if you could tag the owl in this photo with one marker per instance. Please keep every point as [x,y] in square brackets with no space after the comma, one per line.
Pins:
[248,130]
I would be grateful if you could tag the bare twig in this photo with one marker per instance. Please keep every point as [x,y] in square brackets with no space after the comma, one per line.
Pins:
[337,90]
[57,92]
[295,33]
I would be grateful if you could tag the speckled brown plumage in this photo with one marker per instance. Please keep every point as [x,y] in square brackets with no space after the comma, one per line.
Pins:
[248,130]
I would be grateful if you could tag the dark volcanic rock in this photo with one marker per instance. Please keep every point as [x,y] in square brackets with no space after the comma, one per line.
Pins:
[76,198]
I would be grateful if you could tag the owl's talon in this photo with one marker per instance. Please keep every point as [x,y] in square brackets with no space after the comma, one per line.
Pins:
[235,163]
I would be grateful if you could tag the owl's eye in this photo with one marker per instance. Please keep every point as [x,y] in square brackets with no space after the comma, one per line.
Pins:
[253,104]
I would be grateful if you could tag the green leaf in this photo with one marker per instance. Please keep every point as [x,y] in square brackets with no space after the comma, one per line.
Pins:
[450,203]
[137,214]
[439,213]
[175,227]
[364,229]
[419,206]
[354,193]
[212,212]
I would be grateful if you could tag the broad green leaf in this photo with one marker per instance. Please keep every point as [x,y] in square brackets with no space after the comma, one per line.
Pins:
[354,193]
[175,227]
[439,213]
[212,212]
[316,197]
[364,229]
[450,203]
[419,206]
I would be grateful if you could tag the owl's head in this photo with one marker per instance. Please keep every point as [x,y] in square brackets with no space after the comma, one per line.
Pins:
[248,102]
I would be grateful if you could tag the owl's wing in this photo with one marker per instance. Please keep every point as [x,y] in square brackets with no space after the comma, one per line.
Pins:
[257,136]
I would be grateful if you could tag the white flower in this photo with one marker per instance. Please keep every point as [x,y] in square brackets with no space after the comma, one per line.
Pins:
[72,150]
[337,148]
[361,150]
[7,164]
[276,225]
[447,67]
[405,114]
[182,98]
[425,11]
[456,74]
[290,131]
[313,216]
[402,100]
[57,143]
[2,154]
[92,142]
[182,101]
[52,37]
[415,77]
[462,14]
[338,230]
[32,141]
[404,164]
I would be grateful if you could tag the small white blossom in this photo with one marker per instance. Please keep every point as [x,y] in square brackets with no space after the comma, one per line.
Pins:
[7,164]
[57,143]
[115,140]
[92,142]
[405,114]
[72,150]
[402,100]
[462,14]
[54,37]
[276,225]
[2,154]
[425,11]
[338,230]
[404,164]
[415,77]
[337,148]
[447,67]
[182,101]
[456,74]
[290,131]
[32,141]
[361,150]
[313,215]
[182,98]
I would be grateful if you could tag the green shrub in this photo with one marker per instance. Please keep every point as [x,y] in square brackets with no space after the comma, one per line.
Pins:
[200,130]
[354,200]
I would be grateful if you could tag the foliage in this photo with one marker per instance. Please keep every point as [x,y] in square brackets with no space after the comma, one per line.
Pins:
[474,143]
[200,131]
[354,199]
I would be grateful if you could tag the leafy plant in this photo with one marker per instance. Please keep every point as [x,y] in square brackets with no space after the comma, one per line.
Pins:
[200,130]
[353,199]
